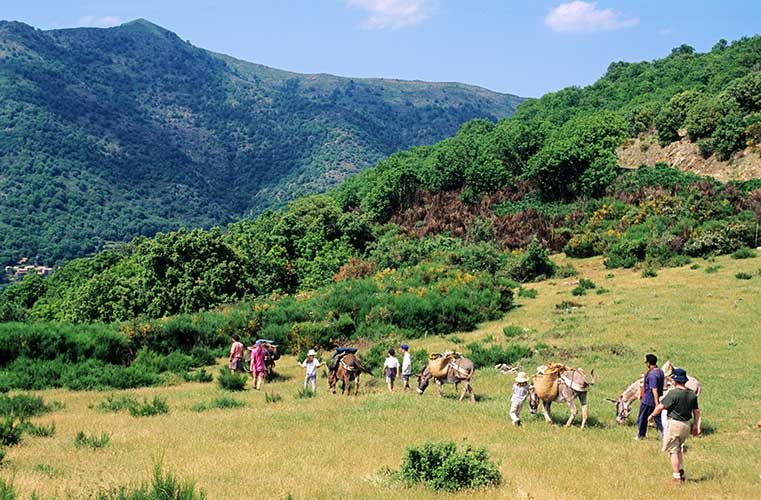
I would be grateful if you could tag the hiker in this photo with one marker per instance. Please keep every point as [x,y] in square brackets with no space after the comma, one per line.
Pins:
[258,368]
[520,393]
[651,396]
[406,366]
[311,363]
[391,367]
[682,405]
[236,355]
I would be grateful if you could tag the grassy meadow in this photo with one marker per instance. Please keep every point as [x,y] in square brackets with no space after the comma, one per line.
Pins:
[335,447]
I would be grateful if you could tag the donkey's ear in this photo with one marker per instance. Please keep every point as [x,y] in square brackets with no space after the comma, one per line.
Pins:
[611,400]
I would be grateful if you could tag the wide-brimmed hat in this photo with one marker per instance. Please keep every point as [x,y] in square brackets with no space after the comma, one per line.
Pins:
[312,352]
[521,377]
[679,375]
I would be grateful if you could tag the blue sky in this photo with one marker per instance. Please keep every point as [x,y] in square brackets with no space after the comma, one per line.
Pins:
[524,47]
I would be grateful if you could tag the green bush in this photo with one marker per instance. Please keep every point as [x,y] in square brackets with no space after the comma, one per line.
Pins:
[531,265]
[231,381]
[566,271]
[649,272]
[441,466]
[7,491]
[94,442]
[25,406]
[272,398]
[578,291]
[114,404]
[11,430]
[712,269]
[743,276]
[482,356]
[744,253]
[198,376]
[38,430]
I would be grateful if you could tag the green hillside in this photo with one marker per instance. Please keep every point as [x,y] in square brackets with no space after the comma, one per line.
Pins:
[112,133]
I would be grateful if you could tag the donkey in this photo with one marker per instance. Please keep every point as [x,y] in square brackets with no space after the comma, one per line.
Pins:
[349,369]
[632,392]
[571,385]
[458,370]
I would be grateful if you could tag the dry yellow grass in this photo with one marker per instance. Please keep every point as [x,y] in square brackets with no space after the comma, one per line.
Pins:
[333,446]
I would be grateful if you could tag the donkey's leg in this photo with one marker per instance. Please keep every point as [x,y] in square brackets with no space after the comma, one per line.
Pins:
[472,393]
[546,411]
[438,387]
[464,390]
[572,407]
[584,408]
[356,385]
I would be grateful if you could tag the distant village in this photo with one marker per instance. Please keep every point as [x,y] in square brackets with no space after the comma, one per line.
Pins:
[17,272]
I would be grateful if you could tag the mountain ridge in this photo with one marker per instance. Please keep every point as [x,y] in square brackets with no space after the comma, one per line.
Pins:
[112,133]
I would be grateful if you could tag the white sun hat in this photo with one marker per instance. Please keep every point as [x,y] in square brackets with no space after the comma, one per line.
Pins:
[521,377]
[312,352]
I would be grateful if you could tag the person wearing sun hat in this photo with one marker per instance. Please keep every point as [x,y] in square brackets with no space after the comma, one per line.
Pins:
[520,393]
[682,406]
[311,363]
[406,366]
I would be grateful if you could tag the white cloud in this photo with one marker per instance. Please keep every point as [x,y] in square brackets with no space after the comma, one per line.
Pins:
[585,17]
[394,14]
[100,22]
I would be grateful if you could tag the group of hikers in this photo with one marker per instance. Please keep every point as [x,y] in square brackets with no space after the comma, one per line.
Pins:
[679,404]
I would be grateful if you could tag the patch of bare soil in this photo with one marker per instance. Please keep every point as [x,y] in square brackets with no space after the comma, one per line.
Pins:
[686,156]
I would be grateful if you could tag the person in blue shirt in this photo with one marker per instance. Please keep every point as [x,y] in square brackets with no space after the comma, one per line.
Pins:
[651,396]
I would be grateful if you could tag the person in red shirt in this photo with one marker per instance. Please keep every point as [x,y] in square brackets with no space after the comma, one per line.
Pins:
[236,355]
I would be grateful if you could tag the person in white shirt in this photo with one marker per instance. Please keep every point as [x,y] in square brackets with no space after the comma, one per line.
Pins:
[391,367]
[520,392]
[311,363]
[406,366]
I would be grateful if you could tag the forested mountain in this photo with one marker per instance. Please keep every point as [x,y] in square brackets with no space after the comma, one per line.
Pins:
[106,134]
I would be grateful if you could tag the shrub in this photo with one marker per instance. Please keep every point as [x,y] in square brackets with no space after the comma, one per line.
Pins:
[744,253]
[482,356]
[231,381]
[695,266]
[441,466]
[512,331]
[10,431]
[25,406]
[602,290]
[94,442]
[203,356]
[529,293]
[578,291]
[649,272]
[712,269]
[7,491]
[531,265]
[157,406]
[567,306]
[743,276]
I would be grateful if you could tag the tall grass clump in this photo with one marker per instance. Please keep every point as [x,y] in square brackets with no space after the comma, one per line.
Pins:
[272,398]
[163,486]
[7,491]
[441,466]
[512,331]
[25,406]
[305,394]
[11,430]
[743,276]
[231,381]
[222,402]
[744,253]
[94,442]
[157,406]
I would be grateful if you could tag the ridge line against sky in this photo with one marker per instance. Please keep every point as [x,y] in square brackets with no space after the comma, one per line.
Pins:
[520,47]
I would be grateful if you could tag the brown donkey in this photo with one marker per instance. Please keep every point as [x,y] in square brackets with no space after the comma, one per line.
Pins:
[349,369]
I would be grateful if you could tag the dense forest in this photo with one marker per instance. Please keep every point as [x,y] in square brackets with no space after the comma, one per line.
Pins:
[108,134]
[436,238]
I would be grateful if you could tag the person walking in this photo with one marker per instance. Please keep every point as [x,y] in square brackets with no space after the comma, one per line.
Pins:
[236,355]
[258,368]
[520,393]
[682,405]
[651,396]
[391,367]
[406,366]
[311,363]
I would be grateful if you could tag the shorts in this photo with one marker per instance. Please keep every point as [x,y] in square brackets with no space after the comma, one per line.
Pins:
[389,379]
[236,364]
[406,377]
[677,433]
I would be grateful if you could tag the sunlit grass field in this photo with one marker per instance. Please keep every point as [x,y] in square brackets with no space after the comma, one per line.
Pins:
[336,446]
